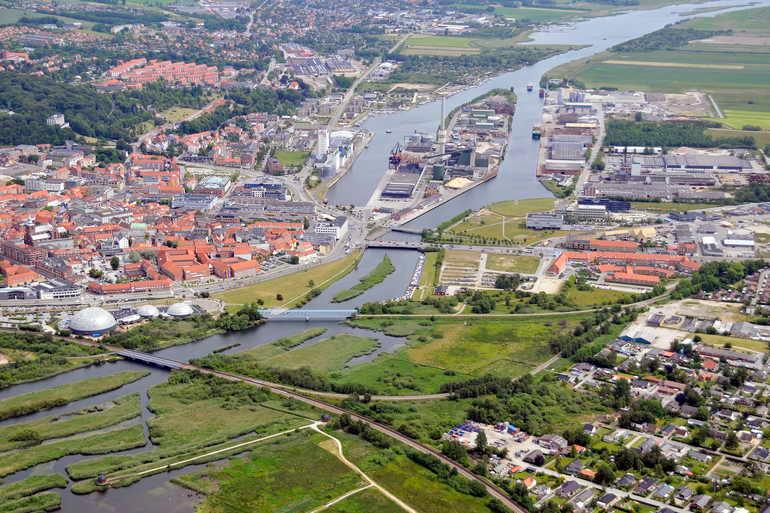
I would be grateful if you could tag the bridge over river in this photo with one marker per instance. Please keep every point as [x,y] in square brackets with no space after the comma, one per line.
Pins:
[307,314]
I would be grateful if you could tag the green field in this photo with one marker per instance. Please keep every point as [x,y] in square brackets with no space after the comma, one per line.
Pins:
[762,138]
[456,46]
[503,222]
[384,269]
[328,355]
[32,402]
[157,334]
[737,343]
[292,287]
[448,350]
[98,417]
[365,502]
[46,501]
[293,474]
[659,206]
[292,158]
[513,263]
[412,483]
[594,296]
[736,75]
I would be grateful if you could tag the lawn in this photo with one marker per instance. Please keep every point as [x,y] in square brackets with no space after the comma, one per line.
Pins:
[177,114]
[520,208]
[513,263]
[737,343]
[595,296]
[292,158]
[292,287]
[504,221]
[102,443]
[384,269]
[293,474]
[462,258]
[89,419]
[32,402]
[429,276]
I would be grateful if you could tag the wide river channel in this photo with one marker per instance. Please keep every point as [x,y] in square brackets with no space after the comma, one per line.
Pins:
[516,180]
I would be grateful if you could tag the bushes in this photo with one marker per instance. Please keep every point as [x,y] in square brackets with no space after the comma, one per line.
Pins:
[713,276]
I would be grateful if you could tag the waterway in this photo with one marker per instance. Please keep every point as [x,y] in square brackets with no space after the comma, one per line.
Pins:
[516,180]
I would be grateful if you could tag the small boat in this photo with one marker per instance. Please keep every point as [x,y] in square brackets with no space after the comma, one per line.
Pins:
[530,87]
[388,131]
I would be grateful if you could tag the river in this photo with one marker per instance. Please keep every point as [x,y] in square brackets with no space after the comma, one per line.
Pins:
[516,180]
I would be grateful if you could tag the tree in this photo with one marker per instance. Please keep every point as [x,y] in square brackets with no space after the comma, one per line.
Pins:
[115,263]
[731,443]
[481,442]
[95,273]
[604,474]
[310,284]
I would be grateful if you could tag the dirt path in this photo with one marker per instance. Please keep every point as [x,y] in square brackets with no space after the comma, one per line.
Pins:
[341,455]
[342,498]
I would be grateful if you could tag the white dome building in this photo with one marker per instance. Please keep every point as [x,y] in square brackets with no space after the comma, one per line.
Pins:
[148,311]
[92,322]
[180,310]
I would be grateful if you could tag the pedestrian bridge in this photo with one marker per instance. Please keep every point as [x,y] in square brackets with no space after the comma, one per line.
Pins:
[307,314]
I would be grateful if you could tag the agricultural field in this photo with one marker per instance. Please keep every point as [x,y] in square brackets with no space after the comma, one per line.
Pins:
[734,69]
[292,288]
[456,46]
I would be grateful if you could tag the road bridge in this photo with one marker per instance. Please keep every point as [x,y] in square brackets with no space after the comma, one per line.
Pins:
[404,229]
[307,314]
[149,359]
[399,244]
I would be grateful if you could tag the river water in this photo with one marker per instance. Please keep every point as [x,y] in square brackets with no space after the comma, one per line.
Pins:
[516,180]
